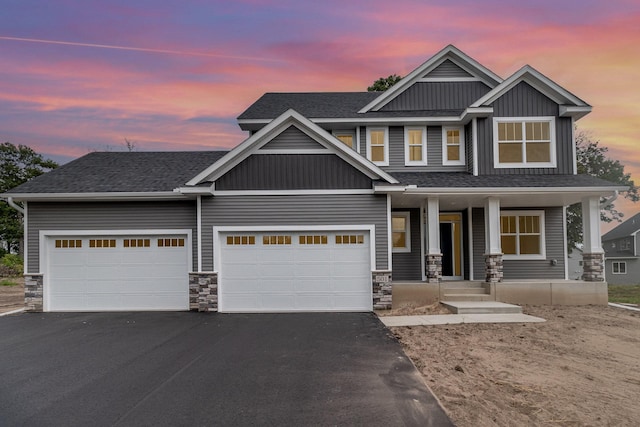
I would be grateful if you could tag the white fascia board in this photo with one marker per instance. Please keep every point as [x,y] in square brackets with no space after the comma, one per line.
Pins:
[272,129]
[509,190]
[577,112]
[449,52]
[158,195]
[194,191]
[389,188]
[536,79]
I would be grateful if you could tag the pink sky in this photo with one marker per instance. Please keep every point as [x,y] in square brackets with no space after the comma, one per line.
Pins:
[174,75]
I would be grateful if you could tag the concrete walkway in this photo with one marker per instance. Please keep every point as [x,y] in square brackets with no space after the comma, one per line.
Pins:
[454,319]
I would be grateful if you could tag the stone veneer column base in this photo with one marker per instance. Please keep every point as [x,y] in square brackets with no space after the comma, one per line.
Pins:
[203,291]
[382,298]
[433,268]
[493,268]
[593,267]
[33,293]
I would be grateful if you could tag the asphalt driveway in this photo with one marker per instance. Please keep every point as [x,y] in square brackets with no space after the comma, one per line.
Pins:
[208,369]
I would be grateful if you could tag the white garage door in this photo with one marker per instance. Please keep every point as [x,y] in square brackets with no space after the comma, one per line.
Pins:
[295,271]
[117,273]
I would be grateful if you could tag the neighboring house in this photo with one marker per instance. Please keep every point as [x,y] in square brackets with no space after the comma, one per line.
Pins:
[574,262]
[622,254]
[336,201]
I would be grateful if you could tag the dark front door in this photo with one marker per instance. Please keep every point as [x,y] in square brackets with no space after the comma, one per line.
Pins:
[451,245]
[446,246]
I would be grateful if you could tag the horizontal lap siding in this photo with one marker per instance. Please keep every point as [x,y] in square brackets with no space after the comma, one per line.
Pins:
[295,210]
[525,269]
[106,216]
[293,172]
[525,101]
[408,265]
[437,96]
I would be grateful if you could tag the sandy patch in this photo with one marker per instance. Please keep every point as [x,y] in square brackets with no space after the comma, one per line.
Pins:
[12,297]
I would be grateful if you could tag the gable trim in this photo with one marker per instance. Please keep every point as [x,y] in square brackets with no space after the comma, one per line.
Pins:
[451,53]
[289,118]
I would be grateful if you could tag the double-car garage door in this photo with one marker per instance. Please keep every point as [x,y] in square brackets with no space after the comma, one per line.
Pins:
[259,271]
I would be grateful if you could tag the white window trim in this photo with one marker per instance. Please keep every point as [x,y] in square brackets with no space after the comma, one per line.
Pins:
[386,145]
[351,133]
[532,165]
[407,160]
[407,229]
[445,160]
[613,271]
[543,245]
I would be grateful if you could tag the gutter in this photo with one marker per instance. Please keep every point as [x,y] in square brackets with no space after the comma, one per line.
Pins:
[607,202]
[14,205]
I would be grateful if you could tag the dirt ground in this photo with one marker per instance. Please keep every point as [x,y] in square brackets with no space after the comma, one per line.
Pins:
[12,297]
[580,368]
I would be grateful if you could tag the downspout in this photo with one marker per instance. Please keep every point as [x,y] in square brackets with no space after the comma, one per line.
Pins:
[607,202]
[14,205]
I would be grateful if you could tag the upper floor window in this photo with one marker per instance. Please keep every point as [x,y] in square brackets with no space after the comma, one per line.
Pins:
[524,142]
[453,146]
[522,234]
[347,138]
[378,146]
[415,145]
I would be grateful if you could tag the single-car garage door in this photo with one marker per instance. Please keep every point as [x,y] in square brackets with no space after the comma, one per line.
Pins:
[295,271]
[117,273]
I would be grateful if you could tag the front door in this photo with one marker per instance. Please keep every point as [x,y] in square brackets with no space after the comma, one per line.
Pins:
[451,245]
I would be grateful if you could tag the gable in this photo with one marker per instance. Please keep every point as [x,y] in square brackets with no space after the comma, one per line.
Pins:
[437,96]
[293,172]
[523,101]
[448,69]
[292,138]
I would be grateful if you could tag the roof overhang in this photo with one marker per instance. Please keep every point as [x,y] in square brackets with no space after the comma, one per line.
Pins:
[111,196]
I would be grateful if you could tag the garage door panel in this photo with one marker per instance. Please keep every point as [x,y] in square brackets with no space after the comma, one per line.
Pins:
[313,285]
[274,254]
[312,254]
[277,302]
[350,302]
[279,270]
[314,301]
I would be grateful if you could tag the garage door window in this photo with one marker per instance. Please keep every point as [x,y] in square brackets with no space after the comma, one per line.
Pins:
[350,239]
[102,243]
[276,240]
[168,243]
[64,243]
[241,240]
[137,243]
[313,240]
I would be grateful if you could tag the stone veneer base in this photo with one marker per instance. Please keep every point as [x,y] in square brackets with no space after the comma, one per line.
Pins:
[593,267]
[381,282]
[493,268]
[33,293]
[203,291]
[433,268]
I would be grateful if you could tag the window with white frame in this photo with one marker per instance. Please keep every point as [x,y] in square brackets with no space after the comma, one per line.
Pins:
[619,267]
[401,232]
[347,138]
[415,145]
[378,146]
[522,234]
[524,142]
[453,146]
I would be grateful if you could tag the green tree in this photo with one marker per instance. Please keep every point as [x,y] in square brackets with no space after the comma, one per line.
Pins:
[384,83]
[592,159]
[18,164]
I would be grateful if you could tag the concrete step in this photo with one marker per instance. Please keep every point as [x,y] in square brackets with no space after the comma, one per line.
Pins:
[467,284]
[474,290]
[467,297]
[481,307]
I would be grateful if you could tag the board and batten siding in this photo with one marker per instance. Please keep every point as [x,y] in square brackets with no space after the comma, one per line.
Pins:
[292,138]
[107,216]
[448,69]
[525,101]
[298,210]
[293,172]
[524,269]
[438,96]
[408,265]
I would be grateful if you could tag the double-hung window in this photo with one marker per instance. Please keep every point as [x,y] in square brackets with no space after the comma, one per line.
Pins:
[378,145]
[453,146]
[619,267]
[401,232]
[524,142]
[347,138]
[415,145]
[522,234]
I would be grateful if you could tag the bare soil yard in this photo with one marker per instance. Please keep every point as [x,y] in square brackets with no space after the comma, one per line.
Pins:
[580,368]
[11,297]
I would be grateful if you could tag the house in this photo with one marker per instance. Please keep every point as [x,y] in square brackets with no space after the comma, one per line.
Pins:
[621,253]
[574,261]
[453,179]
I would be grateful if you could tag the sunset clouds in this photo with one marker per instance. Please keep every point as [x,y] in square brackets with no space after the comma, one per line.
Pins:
[77,76]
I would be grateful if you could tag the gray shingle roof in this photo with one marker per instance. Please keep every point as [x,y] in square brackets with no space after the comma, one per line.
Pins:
[122,172]
[629,226]
[463,179]
[328,105]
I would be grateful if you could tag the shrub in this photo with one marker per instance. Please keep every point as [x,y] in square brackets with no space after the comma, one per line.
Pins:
[11,265]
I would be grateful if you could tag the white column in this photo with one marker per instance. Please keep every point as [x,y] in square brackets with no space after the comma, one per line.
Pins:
[592,243]
[433,226]
[492,226]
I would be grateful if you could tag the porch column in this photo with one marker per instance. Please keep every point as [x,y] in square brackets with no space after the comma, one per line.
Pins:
[493,247]
[434,254]
[593,254]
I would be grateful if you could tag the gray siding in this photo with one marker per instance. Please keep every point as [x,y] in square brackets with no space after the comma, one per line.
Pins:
[292,138]
[525,101]
[525,269]
[633,272]
[106,216]
[448,69]
[396,147]
[468,134]
[408,265]
[293,172]
[437,96]
[295,210]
